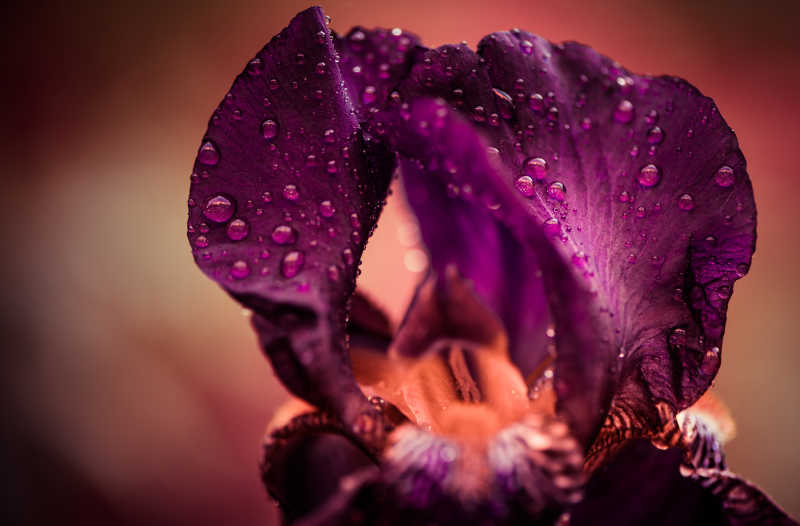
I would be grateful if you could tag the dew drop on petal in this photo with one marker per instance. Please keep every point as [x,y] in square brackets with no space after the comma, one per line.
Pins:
[525,185]
[240,269]
[201,241]
[290,192]
[283,235]
[623,113]
[269,129]
[326,209]
[218,209]
[238,229]
[557,191]
[649,176]
[369,95]
[725,177]
[551,227]
[292,263]
[655,135]
[686,202]
[208,154]
[536,168]
[348,257]
[255,67]
[536,102]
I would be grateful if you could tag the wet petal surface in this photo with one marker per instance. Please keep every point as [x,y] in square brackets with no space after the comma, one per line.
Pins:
[640,181]
[285,192]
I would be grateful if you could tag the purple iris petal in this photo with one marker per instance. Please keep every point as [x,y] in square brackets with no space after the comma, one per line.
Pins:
[643,485]
[660,223]
[285,192]
[485,229]
[373,62]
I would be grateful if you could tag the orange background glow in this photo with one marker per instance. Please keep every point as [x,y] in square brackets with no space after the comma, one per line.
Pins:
[134,391]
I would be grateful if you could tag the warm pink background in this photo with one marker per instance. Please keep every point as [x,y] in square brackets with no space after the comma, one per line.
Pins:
[135,392]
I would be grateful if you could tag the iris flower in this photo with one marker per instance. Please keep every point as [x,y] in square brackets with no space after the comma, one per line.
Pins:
[585,226]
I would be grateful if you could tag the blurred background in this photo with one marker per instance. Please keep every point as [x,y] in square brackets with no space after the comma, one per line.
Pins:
[133,389]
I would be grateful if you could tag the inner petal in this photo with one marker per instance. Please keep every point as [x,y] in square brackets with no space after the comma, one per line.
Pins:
[448,369]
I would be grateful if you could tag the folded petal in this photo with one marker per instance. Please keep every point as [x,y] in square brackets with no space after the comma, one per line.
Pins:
[641,182]
[485,230]
[285,192]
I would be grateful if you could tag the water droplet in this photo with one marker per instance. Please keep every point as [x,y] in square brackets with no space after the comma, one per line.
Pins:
[557,191]
[332,167]
[655,135]
[504,103]
[649,176]
[326,209]
[624,197]
[269,129]
[369,95]
[333,273]
[536,168]
[208,154]
[201,241]
[624,112]
[526,47]
[322,68]
[479,114]
[536,102]
[283,235]
[329,136]
[586,123]
[267,197]
[255,67]
[240,269]
[290,192]
[238,229]
[686,202]
[292,263]
[551,227]
[219,209]
[525,185]
[348,257]
[725,177]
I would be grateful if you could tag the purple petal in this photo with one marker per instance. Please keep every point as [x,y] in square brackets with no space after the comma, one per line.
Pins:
[640,179]
[373,62]
[284,194]
[294,457]
[485,230]
[643,485]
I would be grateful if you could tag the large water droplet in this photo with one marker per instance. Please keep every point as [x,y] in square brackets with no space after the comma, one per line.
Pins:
[238,229]
[255,67]
[290,192]
[283,235]
[551,227]
[686,202]
[725,176]
[525,185]
[208,154]
[624,112]
[292,263]
[557,191]
[218,209]
[536,102]
[326,209]
[649,176]
[269,129]
[535,167]
[369,95]
[240,269]
[655,135]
